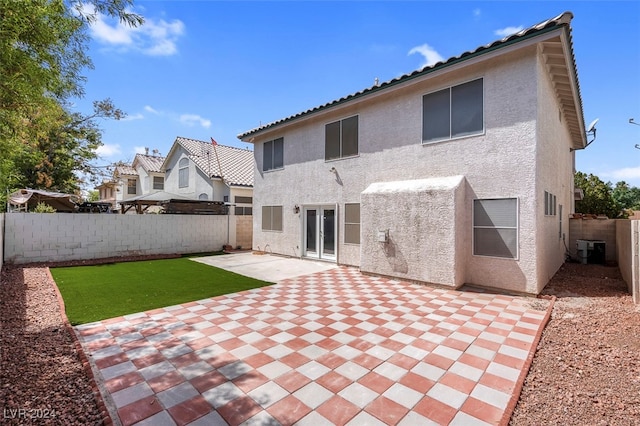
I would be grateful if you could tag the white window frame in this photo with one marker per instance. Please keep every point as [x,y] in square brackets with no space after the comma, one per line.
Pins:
[550,204]
[134,186]
[351,224]
[271,145]
[160,185]
[270,227]
[340,122]
[183,173]
[516,227]
[451,137]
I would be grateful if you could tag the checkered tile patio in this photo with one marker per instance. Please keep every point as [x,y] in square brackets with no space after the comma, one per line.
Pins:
[335,347]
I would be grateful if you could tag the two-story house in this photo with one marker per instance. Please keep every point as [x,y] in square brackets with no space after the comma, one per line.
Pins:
[144,176]
[202,171]
[460,172]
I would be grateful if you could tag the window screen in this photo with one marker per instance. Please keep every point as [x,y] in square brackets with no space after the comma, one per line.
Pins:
[453,112]
[466,109]
[131,186]
[341,138]
[243,200]
[272,155]
[272,218]
[183,173]
[158,182]
[495,227]
[352,223]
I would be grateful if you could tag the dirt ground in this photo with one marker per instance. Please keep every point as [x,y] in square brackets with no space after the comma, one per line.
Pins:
[586,370]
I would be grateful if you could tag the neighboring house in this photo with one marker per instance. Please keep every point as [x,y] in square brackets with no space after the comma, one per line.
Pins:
[144,176]
[202,171]
[461,172]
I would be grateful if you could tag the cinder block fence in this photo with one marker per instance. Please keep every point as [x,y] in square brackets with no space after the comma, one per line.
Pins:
[42,237]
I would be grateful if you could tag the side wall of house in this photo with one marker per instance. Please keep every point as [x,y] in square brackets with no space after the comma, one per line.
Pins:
[554,180]
[497,164]
[41,237]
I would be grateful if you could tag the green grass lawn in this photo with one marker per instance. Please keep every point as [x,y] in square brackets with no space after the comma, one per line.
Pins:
[93,293]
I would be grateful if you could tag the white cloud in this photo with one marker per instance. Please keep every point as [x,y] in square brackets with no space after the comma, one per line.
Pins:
[507,31]
[108,150]
[139,149]
[155,37]
[477,12]
[430,55]
[151,110]
[624,173]
[133,117]
[193,119]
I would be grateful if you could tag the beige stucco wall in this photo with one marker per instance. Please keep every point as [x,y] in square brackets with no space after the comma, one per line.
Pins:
[501,163]
[628,254]
[41,237]
[422,221]
[554,173]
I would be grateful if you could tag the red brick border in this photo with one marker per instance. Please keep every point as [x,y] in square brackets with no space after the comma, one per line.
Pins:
[515,397]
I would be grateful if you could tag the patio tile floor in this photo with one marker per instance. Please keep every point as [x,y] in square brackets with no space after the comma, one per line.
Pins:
[334,347]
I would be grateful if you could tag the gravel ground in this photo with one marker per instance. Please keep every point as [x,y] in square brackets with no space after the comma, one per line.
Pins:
[42,380]
[586,370]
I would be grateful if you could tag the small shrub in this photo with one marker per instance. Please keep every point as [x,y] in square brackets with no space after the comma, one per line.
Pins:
[44,208]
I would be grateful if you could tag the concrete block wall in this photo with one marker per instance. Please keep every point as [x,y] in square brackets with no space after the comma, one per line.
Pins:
[628,252]
[244,231]
[42,237]
[593,229]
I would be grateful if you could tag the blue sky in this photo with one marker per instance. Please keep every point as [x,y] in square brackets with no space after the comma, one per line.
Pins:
[202,69]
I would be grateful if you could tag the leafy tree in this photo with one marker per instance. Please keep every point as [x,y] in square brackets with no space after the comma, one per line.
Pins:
[93,195]
[43,46]
[598,196]
[628,197]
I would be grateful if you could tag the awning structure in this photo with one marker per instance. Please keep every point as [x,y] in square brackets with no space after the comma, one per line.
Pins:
[143,202]
[28,199]
[173,204]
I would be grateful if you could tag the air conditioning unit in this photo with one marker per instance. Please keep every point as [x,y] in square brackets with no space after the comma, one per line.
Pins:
[591,251]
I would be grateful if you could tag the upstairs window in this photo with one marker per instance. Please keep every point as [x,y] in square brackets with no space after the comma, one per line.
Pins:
[158,183]
[341,138]
[131,186]
[243,200]
[272,155]
[453,112]
[183,173]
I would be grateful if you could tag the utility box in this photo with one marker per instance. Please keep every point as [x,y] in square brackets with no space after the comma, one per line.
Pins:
[591,251]
[383,236]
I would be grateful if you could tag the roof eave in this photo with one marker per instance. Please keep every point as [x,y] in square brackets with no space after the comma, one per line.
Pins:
[563,22]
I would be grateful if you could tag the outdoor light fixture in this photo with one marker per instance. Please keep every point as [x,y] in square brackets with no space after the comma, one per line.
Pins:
[296,209]
[333,170]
